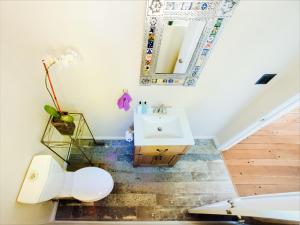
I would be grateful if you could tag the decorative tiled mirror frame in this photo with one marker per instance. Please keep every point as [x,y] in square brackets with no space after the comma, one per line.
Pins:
[214,12]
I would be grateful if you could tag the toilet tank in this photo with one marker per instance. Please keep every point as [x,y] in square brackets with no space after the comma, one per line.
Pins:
[43,180]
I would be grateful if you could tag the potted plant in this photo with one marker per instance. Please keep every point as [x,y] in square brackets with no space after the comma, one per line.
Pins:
[62,121]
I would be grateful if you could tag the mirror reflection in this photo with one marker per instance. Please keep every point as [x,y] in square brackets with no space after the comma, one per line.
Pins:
[179,41]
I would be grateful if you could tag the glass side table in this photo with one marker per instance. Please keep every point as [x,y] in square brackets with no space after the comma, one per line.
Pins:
[81,142]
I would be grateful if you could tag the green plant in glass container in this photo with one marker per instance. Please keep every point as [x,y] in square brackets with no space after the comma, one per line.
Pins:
[62,121]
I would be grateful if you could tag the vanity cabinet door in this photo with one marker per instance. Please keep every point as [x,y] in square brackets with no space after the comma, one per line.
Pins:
[143,160]
[162,160]
[166,160]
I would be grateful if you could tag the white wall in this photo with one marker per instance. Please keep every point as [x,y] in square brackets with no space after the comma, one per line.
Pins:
[109,36]
[284,93]
[22,123]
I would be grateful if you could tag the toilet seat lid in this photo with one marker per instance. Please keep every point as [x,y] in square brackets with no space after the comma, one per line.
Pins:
[91,184]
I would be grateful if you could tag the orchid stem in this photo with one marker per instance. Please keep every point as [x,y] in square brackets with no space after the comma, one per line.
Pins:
[52,89]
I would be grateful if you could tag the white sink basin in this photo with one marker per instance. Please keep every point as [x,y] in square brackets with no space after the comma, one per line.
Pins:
[162,129]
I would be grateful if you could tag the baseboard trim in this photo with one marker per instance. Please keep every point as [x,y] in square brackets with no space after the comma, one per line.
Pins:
[123,138]
[53,213]
[216,142]
[109,138]
[204,137]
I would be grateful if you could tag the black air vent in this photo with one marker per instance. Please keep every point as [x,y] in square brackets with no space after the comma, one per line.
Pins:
[266,78]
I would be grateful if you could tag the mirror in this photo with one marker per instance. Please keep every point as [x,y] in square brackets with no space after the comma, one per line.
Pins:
[178,44]
[178,38]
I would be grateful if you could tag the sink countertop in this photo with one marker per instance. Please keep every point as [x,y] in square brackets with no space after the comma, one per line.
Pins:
[171,128]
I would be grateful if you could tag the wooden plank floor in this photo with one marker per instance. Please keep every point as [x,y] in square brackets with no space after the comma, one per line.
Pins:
[269,160]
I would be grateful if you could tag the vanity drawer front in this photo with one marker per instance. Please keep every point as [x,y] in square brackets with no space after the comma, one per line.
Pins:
[159,150]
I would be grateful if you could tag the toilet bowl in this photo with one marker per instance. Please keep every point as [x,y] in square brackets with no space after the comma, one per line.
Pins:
[45,180]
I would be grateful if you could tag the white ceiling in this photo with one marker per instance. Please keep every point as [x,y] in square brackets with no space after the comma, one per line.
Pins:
[262,37]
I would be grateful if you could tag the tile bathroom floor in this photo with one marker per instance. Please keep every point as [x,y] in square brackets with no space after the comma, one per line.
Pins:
[151,193]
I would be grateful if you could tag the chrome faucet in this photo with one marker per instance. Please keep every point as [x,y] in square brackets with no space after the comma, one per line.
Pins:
[160,109]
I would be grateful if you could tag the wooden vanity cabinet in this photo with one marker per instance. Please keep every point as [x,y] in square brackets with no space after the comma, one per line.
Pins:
[158,155]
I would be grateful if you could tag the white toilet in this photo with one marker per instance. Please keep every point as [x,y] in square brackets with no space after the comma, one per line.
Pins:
[45,180]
